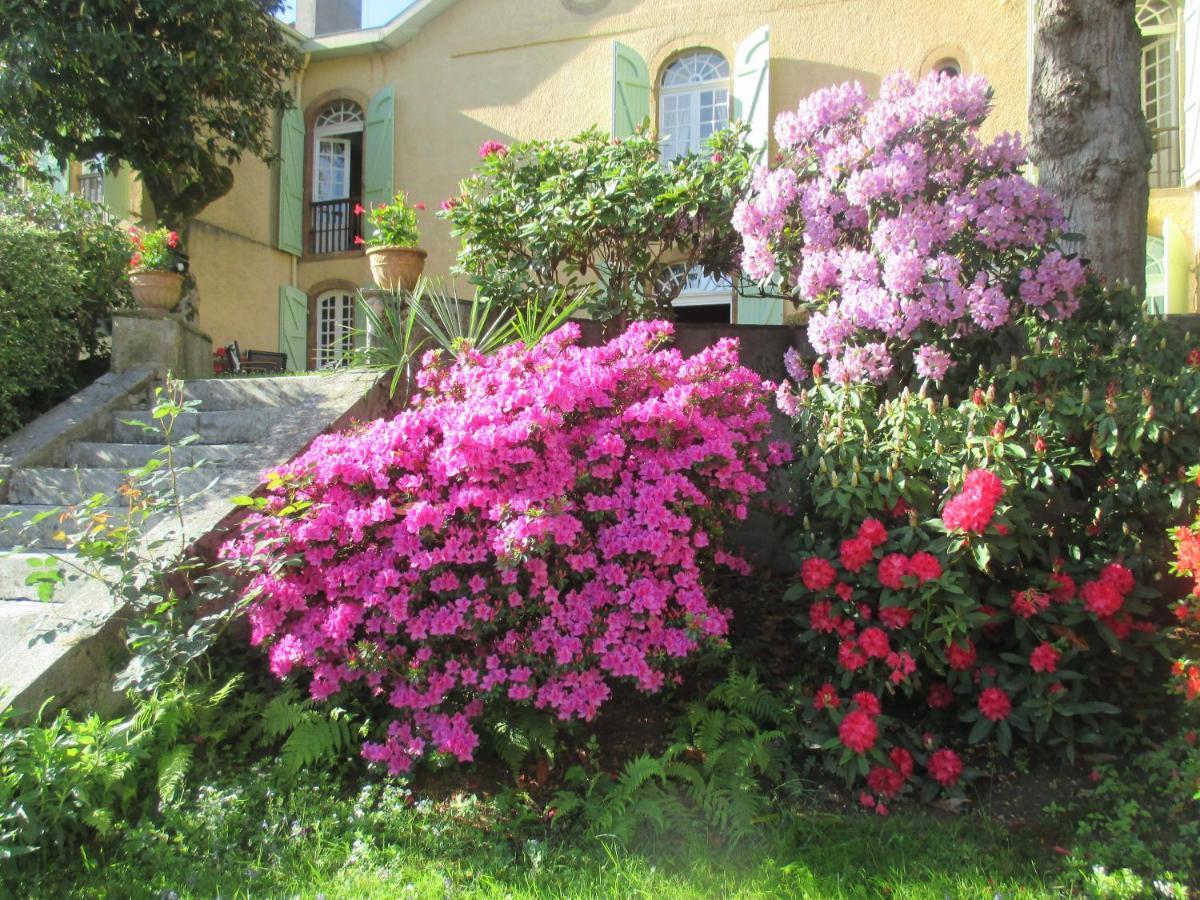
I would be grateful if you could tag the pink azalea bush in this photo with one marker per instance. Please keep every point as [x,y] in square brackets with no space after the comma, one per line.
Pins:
[538,525]
[902,227]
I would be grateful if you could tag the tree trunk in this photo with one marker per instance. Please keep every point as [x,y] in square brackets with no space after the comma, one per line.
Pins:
[1087,133]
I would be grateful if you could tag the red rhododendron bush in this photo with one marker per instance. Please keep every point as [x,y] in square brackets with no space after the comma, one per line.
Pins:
[538,525]
[990,450]
[1186,669]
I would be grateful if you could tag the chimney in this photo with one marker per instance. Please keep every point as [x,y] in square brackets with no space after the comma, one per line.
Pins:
[317,17]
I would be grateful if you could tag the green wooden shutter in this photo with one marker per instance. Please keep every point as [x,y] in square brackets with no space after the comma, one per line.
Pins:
[380,143]
[293,326]
[291,182]
[630,92]
[752,88]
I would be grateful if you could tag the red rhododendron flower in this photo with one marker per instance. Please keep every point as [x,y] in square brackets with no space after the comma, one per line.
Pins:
[977,397]
[902,665]
[873,532]
[881,808]
[851,657]
[902,760]
[961,657]
[995,704]
[895,617]
[858,731]
[1101,598]
[855,553]
[940,695]
[1044,658]
[945,767]
[1118,576]
[1029,602]
[925,566]
[892,569]
[827,697]
[1193,358]
[998,429]
[1039,445]
[820,617]
[973,508]
[874,642]
[867,702]
[866,799]
[899,509]
[887,782]
[844,591]
[817,573]
[1064,587]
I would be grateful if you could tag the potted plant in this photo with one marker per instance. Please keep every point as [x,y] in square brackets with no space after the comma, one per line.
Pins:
[156,270]
[396,260]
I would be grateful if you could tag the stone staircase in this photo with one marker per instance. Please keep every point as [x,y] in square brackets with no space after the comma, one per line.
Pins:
[243,427]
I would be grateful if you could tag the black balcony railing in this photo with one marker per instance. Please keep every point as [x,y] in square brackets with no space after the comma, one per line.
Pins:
[334,226]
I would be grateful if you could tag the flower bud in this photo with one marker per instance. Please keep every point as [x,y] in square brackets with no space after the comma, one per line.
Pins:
[1178,405]
[991,393]
[834,481]
[1087,395]
[806,523]
[822,466]
[1150,413]
[853,479]
[1014,363]
[855,464]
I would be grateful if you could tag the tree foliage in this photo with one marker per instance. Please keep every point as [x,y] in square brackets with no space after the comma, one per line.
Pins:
[176,90]
[599,218]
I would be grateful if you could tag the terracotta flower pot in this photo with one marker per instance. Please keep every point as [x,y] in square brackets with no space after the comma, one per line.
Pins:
[396,268]
[156,291]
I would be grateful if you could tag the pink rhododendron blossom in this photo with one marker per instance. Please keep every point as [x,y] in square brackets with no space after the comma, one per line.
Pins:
[533,528]
[880,212]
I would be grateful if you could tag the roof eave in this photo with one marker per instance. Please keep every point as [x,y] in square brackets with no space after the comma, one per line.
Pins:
[400,30]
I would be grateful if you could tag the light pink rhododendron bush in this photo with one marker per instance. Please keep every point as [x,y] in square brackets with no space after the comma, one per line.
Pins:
[538,525]
[904,230]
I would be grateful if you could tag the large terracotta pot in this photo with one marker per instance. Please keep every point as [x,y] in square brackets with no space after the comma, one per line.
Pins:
[396,268]
[156,291]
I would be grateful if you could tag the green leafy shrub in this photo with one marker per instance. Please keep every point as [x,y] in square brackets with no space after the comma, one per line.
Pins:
[1085,426]
[40,305]
[99,249]
[599,217]
[62,273]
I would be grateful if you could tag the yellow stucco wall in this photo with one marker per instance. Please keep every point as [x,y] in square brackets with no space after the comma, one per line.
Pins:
[518,69]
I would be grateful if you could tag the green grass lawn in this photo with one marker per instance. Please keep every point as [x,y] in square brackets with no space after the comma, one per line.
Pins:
[246,839]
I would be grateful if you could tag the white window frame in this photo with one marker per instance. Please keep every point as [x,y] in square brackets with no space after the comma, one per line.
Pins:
[344,143]
[693,89]
[334,328]
[1158,21]
[698,289]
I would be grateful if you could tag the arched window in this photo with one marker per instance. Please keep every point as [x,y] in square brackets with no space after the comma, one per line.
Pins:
[693,101]
[334,328]
[337,173]
[701,297]
[1159,24]
[1156,276]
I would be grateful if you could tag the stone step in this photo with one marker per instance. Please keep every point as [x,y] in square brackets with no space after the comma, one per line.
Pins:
[18,528]
[228,426]
[254,392]
[130,456]
[67,486]
[17,597]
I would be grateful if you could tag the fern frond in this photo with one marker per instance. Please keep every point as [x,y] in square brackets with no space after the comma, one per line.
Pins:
[172,769]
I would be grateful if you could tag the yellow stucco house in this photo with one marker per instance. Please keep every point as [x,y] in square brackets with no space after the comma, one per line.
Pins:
[405,107]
